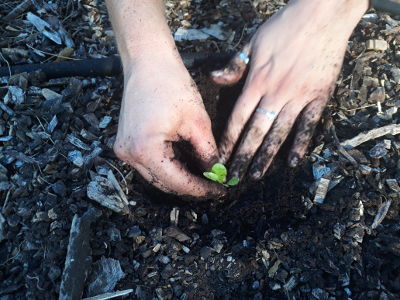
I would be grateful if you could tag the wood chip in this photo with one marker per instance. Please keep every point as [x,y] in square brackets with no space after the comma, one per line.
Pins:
[110,295]
[377,45]
[322,190]
[392,129]
[382,211]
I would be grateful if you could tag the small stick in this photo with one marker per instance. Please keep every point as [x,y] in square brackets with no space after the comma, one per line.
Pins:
[340,147]
[392,129]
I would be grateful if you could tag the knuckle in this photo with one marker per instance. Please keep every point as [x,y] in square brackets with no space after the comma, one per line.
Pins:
[260,75]
[256,132]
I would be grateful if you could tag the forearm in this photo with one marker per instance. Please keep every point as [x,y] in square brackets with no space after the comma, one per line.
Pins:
[341,9]
[140,28]
[338,15]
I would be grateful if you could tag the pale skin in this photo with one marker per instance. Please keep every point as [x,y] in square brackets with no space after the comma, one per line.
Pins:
[295,59]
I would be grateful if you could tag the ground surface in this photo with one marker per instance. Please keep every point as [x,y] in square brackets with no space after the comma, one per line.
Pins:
[271,241]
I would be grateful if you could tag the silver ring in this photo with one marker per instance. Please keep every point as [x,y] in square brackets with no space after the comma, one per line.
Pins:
[269,114]
[244,57]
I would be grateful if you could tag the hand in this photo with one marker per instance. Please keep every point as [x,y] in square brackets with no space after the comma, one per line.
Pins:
[161,105]
[295,59]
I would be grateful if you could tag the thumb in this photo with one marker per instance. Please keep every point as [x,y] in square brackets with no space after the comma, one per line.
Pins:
[235,69]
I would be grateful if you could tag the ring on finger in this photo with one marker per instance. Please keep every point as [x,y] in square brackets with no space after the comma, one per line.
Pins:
[244,57]
[269,114]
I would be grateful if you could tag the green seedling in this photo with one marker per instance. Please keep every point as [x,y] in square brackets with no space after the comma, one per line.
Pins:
[218,174]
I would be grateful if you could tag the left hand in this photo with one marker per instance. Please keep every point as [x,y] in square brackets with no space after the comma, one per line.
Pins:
[295,59]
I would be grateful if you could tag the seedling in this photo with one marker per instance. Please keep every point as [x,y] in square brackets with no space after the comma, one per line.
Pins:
[218,174]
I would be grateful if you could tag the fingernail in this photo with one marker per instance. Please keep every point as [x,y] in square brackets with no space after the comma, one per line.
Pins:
[218,73]
[294,161]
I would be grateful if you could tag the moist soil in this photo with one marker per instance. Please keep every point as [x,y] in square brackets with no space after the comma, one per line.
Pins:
[265,240]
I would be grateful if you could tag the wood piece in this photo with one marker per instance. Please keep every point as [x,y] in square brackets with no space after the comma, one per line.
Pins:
[377,45]
[110,295]
[78,257]
[381,214]
[392,129]
[18,10]
[322,190]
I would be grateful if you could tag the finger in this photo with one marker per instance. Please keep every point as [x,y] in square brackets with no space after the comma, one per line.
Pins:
[171,176]
[235,69]
[272,142]
[309,119]
[203,142]
[257,129]
[240,115]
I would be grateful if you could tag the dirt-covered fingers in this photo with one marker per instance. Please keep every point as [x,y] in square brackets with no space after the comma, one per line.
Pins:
[156,162]
[308,120]
[235,69]
[200,136]
[242,112]
[272,142]
[253,137]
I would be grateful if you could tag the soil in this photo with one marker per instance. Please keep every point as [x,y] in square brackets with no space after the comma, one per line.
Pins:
[266,240]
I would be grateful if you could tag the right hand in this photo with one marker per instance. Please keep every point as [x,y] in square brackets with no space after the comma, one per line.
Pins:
[161,105]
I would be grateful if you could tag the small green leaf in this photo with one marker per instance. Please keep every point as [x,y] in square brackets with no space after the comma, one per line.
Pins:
[220,170]
[233,181]
[211,176]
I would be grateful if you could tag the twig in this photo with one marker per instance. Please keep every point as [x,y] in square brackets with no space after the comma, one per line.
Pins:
[240,39]
[52,54]
[8,64]
[120,173]
[393,129]
[339,146]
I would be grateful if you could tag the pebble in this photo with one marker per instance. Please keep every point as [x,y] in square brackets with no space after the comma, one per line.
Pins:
[377,45]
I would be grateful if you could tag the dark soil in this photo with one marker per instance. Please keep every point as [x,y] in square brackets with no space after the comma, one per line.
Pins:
[266,240]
